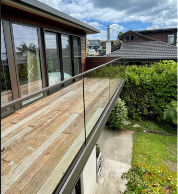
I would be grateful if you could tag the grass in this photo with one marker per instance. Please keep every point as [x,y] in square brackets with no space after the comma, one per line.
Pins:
[151,148]
[146,124]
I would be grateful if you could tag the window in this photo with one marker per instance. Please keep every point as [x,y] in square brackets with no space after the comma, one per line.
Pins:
[77,54]
[66,56]
[127,38]
[52,58]
[133,37]
[171,39]
[6,92]
[27,59]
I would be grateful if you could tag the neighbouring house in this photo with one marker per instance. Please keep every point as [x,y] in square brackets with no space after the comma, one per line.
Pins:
[103,43]
[140,49]
[52,110]
[167,35]
[94,44]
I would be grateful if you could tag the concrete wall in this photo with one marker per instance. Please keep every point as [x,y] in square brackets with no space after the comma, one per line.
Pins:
[88,176]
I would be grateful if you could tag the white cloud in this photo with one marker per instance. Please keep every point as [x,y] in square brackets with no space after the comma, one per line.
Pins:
[94,24]
[162,13]
[115,29]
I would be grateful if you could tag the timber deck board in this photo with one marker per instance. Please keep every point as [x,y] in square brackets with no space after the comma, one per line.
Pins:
[43,138]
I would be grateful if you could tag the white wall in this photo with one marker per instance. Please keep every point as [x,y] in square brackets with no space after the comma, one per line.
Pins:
[88,176]
[108,47]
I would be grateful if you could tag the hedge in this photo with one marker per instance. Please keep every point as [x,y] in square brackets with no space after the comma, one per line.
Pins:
[148,90]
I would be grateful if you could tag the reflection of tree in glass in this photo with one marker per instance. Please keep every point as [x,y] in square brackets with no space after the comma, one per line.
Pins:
[25,52]
[23,48]
[67,45]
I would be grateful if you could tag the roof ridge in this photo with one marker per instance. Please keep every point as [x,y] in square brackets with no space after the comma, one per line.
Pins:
[136,33]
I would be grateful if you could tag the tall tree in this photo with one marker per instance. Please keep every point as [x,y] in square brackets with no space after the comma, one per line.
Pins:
[120,33]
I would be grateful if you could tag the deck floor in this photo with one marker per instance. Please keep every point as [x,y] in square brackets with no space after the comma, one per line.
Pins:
[42,139]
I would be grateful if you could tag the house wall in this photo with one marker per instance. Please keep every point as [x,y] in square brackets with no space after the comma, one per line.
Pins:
[92,62]
[88,176]
[14,14]
[161,36]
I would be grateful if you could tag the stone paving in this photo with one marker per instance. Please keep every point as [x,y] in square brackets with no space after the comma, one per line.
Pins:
[116,148]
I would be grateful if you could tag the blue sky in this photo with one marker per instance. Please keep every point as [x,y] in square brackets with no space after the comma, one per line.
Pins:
[120,15]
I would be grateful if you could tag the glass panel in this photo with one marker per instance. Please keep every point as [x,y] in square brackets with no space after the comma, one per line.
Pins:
[6,92]
[27,59]
[127,38]
[77,54]
[52,58]
[96,91]
[71,105]
[66,56]
[133,37]
[171,39]
[116,75]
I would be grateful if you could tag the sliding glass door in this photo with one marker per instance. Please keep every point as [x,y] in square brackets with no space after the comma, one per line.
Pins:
[27,59]
[77,54]
[52,58]
[66,56]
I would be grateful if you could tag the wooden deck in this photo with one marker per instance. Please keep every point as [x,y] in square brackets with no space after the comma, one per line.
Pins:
[43,138]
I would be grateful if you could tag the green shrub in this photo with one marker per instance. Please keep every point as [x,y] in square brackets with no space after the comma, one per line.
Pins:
[148,90]
[118,115]
[170,112]
[107,71]
[150,179]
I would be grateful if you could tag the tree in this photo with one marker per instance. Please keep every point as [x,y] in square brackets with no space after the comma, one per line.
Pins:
[23,48]
[120,33]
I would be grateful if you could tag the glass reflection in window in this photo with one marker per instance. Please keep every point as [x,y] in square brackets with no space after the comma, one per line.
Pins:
[66,56]
[6,92]
[27,59]
[52,58]
[171,39]
[133,37]
[77,54]
[127,38]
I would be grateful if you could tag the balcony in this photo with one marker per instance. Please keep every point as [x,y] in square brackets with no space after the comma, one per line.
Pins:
[48,142]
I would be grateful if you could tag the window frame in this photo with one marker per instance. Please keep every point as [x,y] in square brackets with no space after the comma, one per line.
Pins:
[39,51]
[168,38]
[13,71]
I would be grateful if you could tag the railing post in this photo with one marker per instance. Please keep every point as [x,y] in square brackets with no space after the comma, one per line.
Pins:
[84,108]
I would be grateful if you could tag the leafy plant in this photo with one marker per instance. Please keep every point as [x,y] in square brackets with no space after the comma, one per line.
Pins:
[118,115]
[170,112]
[150,179]
[148,90]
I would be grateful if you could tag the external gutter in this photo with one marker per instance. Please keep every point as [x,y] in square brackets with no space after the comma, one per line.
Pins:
[150,58]
[46,11]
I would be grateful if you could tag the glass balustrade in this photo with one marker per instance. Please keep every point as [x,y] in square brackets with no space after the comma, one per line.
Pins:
[61,123]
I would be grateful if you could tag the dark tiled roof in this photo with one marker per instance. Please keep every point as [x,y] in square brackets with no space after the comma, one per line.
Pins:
[147,49]
[135,34]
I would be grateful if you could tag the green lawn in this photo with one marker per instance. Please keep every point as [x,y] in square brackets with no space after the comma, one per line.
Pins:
[145,124]
[151,148]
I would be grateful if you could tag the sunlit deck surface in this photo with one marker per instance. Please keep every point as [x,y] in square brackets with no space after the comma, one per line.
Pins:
[42,139]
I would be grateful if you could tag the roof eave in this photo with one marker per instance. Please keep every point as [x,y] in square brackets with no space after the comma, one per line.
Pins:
[41,9]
